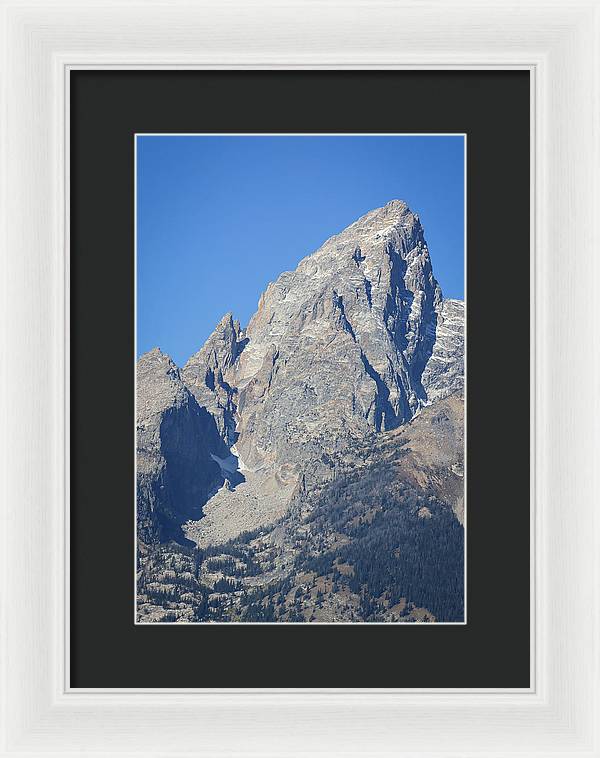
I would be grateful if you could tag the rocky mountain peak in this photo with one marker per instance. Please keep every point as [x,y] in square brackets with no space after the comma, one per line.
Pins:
[394,221]
[221,348]
[352,328]
[206,371]
[159,382]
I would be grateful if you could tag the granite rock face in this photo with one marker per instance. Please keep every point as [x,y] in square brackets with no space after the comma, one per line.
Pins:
[205,372]
[175,439]
[444,373]
[338,346]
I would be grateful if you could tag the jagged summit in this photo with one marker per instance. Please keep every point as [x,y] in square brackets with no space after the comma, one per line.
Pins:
[395,204]
[228,323]
[391,212]
[341,342]
[205,374]
[384,220]
[153,351]
[221,348]
[159,383]
[155,354]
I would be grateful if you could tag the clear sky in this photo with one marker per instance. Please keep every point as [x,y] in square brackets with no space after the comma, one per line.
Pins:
[220,217]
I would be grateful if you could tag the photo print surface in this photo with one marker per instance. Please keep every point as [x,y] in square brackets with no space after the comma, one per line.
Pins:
[300,379]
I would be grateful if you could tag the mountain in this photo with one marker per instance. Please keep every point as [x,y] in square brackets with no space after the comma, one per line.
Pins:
[338,346]
[444,371]
[354,345]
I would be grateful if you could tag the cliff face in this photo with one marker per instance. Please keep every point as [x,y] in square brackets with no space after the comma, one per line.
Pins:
[444,372]
[354,342]
[175,439]
[205,372]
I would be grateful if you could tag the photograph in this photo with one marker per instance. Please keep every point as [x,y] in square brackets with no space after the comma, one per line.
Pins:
[301,364]
[300,379]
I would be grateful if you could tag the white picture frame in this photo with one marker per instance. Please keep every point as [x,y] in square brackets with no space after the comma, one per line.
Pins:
[559,43]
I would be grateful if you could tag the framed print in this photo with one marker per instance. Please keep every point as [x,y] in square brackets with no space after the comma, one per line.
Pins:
[300,379]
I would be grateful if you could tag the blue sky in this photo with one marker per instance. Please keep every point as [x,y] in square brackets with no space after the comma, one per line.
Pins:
[220,217]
